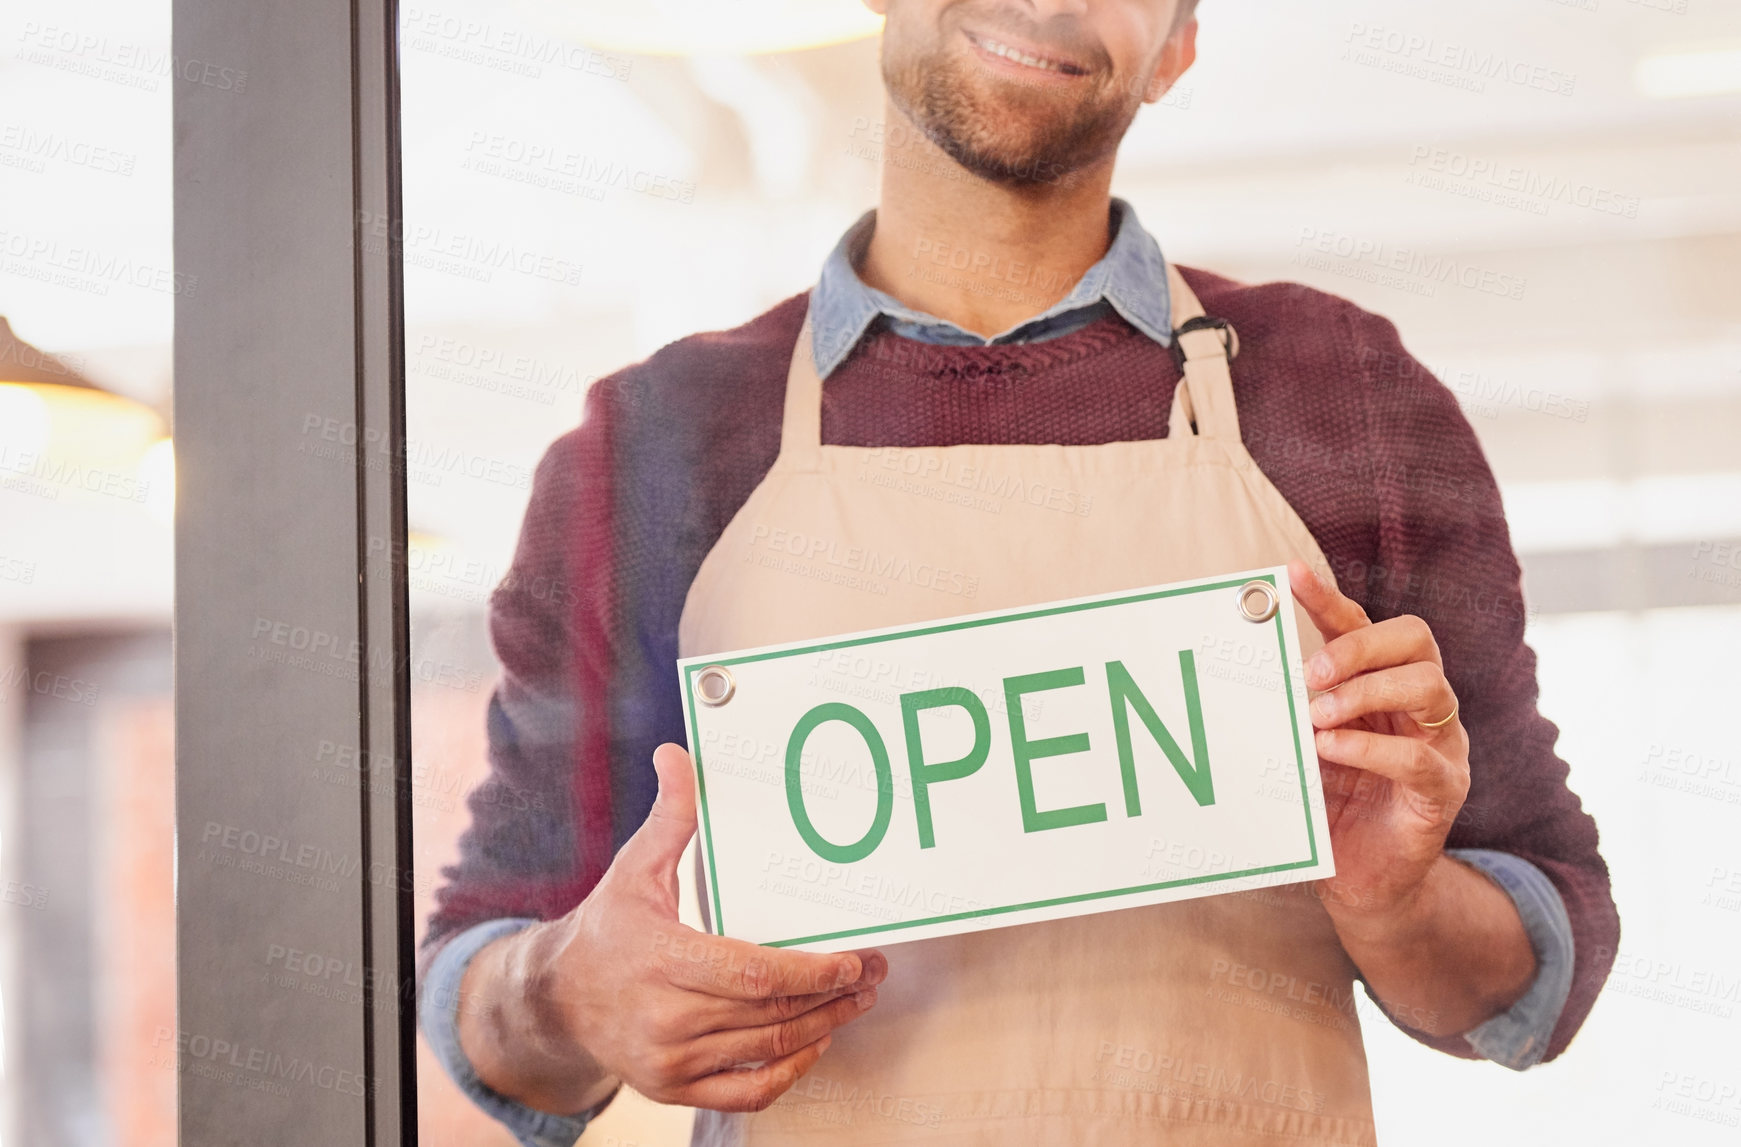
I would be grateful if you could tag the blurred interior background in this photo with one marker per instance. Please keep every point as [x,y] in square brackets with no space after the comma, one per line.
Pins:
[586,181]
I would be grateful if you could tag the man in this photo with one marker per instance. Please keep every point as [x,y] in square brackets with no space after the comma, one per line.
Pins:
[1469,896]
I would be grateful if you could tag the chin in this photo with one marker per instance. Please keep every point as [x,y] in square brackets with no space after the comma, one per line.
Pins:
[993,140]
[1008,133]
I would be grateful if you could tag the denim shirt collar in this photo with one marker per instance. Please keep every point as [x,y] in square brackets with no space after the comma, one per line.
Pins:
[1131,277]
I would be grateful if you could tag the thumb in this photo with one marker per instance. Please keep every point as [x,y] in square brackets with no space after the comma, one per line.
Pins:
[660,840]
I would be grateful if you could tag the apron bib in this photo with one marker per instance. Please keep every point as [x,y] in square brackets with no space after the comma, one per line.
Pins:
[1228,1020]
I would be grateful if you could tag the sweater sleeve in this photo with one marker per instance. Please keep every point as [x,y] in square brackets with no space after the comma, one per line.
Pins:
[1444,554]
[540,830]
[623,510]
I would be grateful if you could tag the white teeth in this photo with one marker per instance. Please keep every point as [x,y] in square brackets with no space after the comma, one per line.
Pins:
[1010,53]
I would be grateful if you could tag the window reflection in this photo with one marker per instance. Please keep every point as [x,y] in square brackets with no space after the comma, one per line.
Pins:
[585,187]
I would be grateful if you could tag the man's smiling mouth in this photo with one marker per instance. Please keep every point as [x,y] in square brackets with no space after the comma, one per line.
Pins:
[1018,56]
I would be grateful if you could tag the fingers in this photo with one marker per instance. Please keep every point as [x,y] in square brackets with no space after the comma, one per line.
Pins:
[692,1046]
[723,1050]
[739,970]
[1418,689]
[1413,764]
[1392,642]
[727,1013]
[752,1088]
[1333,612]
[659,843]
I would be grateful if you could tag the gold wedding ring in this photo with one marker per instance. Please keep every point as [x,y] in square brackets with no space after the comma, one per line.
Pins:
[1441,723]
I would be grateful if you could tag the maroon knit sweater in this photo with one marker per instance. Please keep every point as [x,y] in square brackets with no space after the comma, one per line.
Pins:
[1367,446]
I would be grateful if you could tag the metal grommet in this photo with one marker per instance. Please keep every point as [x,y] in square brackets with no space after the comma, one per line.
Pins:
[715,685]
[1258,601]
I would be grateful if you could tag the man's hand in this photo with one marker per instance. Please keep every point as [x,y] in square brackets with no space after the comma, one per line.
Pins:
[619,990]
[1393,784]
[1440,945]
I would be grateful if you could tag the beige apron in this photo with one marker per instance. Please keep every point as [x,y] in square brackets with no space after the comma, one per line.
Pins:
[1227,1020]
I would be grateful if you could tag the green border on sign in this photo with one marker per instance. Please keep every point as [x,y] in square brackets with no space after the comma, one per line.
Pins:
[973,623]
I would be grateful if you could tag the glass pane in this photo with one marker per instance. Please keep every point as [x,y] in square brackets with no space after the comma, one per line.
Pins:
[87,290]
[1546,207]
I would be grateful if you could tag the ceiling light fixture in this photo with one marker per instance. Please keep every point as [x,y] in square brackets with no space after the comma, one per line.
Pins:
[52,416]
[1712,70]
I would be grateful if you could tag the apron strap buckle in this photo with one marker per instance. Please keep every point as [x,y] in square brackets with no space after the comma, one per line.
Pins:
[1229,337]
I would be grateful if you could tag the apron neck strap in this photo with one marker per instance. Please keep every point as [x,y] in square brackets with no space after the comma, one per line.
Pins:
[1204,396]
[1205,393]
[801,428]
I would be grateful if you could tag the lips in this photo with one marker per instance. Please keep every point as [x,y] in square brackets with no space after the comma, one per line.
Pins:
[1025,58]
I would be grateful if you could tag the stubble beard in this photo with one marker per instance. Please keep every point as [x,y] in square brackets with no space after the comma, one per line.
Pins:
[1000,130]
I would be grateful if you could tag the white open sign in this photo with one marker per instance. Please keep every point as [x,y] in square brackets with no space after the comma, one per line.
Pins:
[1001,768]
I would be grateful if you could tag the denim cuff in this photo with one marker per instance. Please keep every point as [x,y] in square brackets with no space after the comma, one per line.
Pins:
[1518,1037]
[438,1013]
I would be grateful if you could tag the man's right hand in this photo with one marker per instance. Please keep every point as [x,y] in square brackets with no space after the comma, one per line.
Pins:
[618,990]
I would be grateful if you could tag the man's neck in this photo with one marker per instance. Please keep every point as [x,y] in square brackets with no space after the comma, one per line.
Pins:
[982,255]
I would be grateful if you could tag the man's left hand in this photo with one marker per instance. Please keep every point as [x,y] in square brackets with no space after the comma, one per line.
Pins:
[1393,784]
